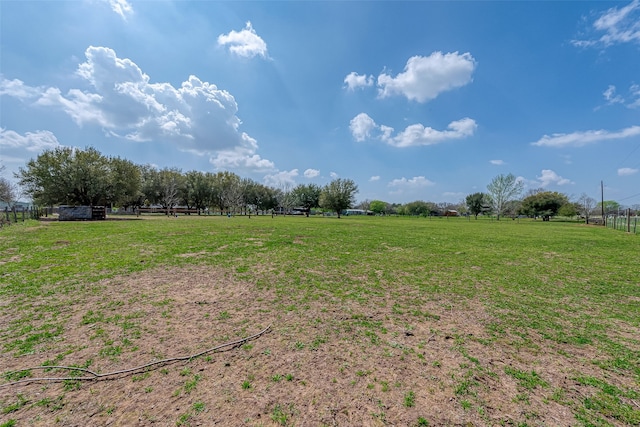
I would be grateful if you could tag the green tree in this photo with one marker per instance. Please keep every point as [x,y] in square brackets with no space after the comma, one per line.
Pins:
[307,196]
[475,203]
[227,191]
[611,207]
[125,183]
[197,190]
[544,203]
[420,208]
[568,210]
[72,176]
[338,195]
[502,190]
[378,206]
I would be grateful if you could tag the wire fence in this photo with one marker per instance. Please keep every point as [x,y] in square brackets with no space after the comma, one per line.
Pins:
[626,223]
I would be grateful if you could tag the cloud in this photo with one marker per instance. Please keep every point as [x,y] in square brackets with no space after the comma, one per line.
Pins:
[374,178]
[121,7]
[610,96]
[634,91]
[311,173]
[246,43]
[241,159]
[364,127]
[618,25]
[17,89]
[197,116]
[627,171]
[630,100]
[37,141]
[361,126]
[417,135]
[281,178]
[579,139]
[425,77]
[411,184]
[550,177]
[354,80]
[497,162]
[333,175]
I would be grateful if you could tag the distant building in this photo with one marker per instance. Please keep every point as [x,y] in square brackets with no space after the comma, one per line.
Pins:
[357,212]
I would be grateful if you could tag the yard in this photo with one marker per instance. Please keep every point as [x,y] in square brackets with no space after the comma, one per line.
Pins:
[360,321]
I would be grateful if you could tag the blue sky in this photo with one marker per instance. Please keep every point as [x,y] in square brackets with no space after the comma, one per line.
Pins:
[411,100]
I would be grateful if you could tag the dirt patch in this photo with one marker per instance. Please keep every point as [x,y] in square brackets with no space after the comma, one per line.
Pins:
[382,359]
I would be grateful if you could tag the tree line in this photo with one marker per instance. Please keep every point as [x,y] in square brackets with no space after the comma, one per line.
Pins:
[72,176]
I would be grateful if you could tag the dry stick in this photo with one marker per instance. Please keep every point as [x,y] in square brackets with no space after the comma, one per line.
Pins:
[125,371]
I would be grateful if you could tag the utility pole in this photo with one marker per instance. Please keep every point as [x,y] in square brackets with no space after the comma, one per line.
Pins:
[604,220]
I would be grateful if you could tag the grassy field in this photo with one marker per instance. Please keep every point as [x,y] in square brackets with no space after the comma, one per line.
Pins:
[373,321]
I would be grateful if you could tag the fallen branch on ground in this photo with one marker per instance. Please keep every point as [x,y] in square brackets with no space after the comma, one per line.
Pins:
[95,375]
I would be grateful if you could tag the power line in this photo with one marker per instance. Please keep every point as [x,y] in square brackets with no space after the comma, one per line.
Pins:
[630,197]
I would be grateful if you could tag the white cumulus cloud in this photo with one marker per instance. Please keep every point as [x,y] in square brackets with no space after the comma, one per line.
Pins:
[355,80]
[374,178]
[627,171]
[311,173]
[425,77]
[364,127]
[246,43]
[582,138]
[549,177]
[417,135]
[37,141]
[497,162]
[361,127]
[412,183]
[119,97]
[281,178]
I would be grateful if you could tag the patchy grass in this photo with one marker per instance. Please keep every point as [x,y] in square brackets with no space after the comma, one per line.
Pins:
[374,320]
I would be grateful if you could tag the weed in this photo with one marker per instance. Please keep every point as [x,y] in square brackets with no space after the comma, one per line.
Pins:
[410,399]
[528,380]
[183,419]
[17,375]
[140,377]
[22,401]
[246,385]
[282,414]
[191,384]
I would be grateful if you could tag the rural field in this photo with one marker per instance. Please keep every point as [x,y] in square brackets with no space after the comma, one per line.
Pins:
[294,321]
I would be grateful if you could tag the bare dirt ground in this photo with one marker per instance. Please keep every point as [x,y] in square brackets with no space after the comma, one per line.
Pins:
[322,362]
